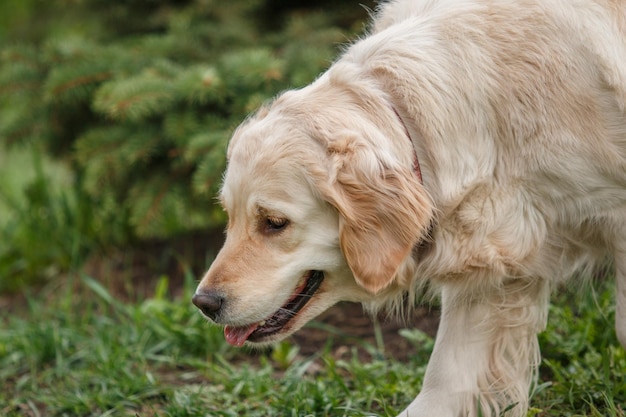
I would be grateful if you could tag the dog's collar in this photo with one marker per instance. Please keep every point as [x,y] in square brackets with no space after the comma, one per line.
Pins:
[416,162]
[426,242]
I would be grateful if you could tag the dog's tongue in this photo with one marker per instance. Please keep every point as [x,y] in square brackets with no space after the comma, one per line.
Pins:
[237,336]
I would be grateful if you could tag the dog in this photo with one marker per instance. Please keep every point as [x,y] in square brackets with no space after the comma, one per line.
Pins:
[473,147]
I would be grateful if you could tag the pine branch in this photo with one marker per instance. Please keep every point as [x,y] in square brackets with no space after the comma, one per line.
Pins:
[201,85]
[135,98]
[75,83]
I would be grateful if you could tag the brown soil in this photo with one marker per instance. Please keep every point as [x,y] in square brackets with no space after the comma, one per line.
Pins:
[346,326]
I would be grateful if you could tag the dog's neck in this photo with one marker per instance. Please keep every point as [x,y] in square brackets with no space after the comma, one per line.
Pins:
[416,162]
[424,245]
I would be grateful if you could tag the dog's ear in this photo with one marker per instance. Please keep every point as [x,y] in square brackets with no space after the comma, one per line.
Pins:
[384,211]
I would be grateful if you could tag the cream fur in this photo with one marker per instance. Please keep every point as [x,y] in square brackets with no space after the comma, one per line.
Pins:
[516,110]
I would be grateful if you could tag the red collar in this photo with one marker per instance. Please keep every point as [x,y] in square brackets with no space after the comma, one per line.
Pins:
[416,162]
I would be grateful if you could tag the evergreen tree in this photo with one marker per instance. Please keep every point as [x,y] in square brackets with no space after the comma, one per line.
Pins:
[141,97]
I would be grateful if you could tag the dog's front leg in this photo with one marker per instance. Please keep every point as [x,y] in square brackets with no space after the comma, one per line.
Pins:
[459,356]
[485,353]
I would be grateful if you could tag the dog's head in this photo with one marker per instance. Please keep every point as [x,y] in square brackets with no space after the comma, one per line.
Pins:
[323,206]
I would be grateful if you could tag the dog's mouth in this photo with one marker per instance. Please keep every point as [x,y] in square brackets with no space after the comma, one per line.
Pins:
[274,324]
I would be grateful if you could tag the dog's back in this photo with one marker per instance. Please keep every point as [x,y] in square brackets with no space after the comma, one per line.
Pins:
[531,95]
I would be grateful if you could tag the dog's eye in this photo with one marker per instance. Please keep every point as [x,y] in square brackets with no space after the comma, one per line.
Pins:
[275,224]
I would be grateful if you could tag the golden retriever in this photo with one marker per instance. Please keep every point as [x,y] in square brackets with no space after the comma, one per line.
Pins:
[478,146]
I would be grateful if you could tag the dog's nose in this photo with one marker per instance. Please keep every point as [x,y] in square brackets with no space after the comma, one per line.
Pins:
[209,303]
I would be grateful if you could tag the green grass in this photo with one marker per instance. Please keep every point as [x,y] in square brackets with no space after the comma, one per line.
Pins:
[46,225]
[75,350]
[584,365]
[93,355]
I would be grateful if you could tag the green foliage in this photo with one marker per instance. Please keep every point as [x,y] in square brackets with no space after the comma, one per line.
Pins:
[143,110]
[582,357]
[105,360]
[138,99]
[160,357]
[45,225]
